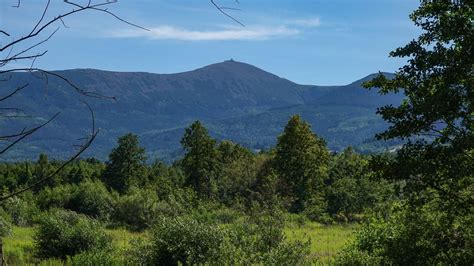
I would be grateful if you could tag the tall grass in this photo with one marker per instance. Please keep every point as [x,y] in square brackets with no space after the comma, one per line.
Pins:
[326,242]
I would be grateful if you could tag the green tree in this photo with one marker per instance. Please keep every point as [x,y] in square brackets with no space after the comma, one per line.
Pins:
[350,188]
[301,161]
[126,166]
[200,161]
[437,171]
[438,84]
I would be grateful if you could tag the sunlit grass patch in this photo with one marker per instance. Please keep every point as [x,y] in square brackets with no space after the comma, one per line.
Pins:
[326,240]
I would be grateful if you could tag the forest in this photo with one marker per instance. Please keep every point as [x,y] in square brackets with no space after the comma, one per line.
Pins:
[220,203]
[296,203]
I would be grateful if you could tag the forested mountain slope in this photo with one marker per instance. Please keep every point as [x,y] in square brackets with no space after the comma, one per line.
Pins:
[237,101]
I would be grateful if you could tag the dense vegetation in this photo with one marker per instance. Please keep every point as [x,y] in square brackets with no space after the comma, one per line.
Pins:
[220,202]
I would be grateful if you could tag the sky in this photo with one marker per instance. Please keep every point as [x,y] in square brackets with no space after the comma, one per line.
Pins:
[318,42]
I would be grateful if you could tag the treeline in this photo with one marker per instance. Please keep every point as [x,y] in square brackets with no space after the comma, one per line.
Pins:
[215,183]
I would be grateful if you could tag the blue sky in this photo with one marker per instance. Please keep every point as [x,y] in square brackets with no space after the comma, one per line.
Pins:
[321,42]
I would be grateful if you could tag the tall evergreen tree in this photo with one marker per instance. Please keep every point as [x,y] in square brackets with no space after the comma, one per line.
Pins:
[301,161]
[126,166]
[200,161]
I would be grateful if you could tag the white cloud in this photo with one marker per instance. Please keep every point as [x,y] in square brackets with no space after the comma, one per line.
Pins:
[165,32]
[310,22]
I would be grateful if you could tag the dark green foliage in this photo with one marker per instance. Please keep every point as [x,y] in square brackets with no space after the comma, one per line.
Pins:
[301,162]
[350,187]
[88,197]
[200,161]
[184,240]
[65,233]
[126,166]
[138,209]
[435,224]
[91,198]
[238,171]
[415,236]
[261,240]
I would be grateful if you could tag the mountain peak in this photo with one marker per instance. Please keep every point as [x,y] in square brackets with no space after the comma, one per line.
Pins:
[233,68]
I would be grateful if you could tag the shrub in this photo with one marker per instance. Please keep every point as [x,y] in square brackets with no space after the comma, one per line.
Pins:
[184,240]
[22,210]
[91,198]
[65,233]
[56,197]
[88,197]
[138,209]
[261,241]
[411,235]
[5,224]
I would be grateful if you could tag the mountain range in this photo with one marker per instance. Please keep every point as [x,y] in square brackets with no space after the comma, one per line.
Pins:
[235,101]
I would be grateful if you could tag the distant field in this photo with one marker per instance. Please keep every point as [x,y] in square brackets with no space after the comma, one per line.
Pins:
[326,241]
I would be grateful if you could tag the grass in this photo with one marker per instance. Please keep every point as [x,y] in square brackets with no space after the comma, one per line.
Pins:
[326,241]
[19,247]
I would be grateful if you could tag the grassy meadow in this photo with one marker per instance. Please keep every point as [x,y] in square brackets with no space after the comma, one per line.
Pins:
[326,241]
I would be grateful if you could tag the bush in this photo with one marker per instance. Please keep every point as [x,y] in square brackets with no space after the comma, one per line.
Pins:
[88,197]
[22,210]
[414,235]
[65,233]
[138,209]
[184,240]
[261,241]
[56,197]
[91,198]
[5,224]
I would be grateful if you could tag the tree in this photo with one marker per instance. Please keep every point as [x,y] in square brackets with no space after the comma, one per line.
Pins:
[438,84]
[301,161]
[434,221]
[200,161]
[127,165]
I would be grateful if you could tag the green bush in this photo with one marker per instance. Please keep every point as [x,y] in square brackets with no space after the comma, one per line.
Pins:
[261,241]
[91,198]
[63,233]
[22,210]
[56,197]
[5,224]
[88,197]
[184,240]
[422,235]
[138,209]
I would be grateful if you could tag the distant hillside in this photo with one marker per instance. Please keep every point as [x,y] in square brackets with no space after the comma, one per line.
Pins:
[237,101]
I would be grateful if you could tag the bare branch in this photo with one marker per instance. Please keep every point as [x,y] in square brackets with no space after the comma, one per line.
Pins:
[4,32]
[42,17]
[38,30]
[221,9]
[14,92]
[26,134]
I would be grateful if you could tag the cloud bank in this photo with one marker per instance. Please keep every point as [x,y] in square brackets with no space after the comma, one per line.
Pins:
[166,32]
